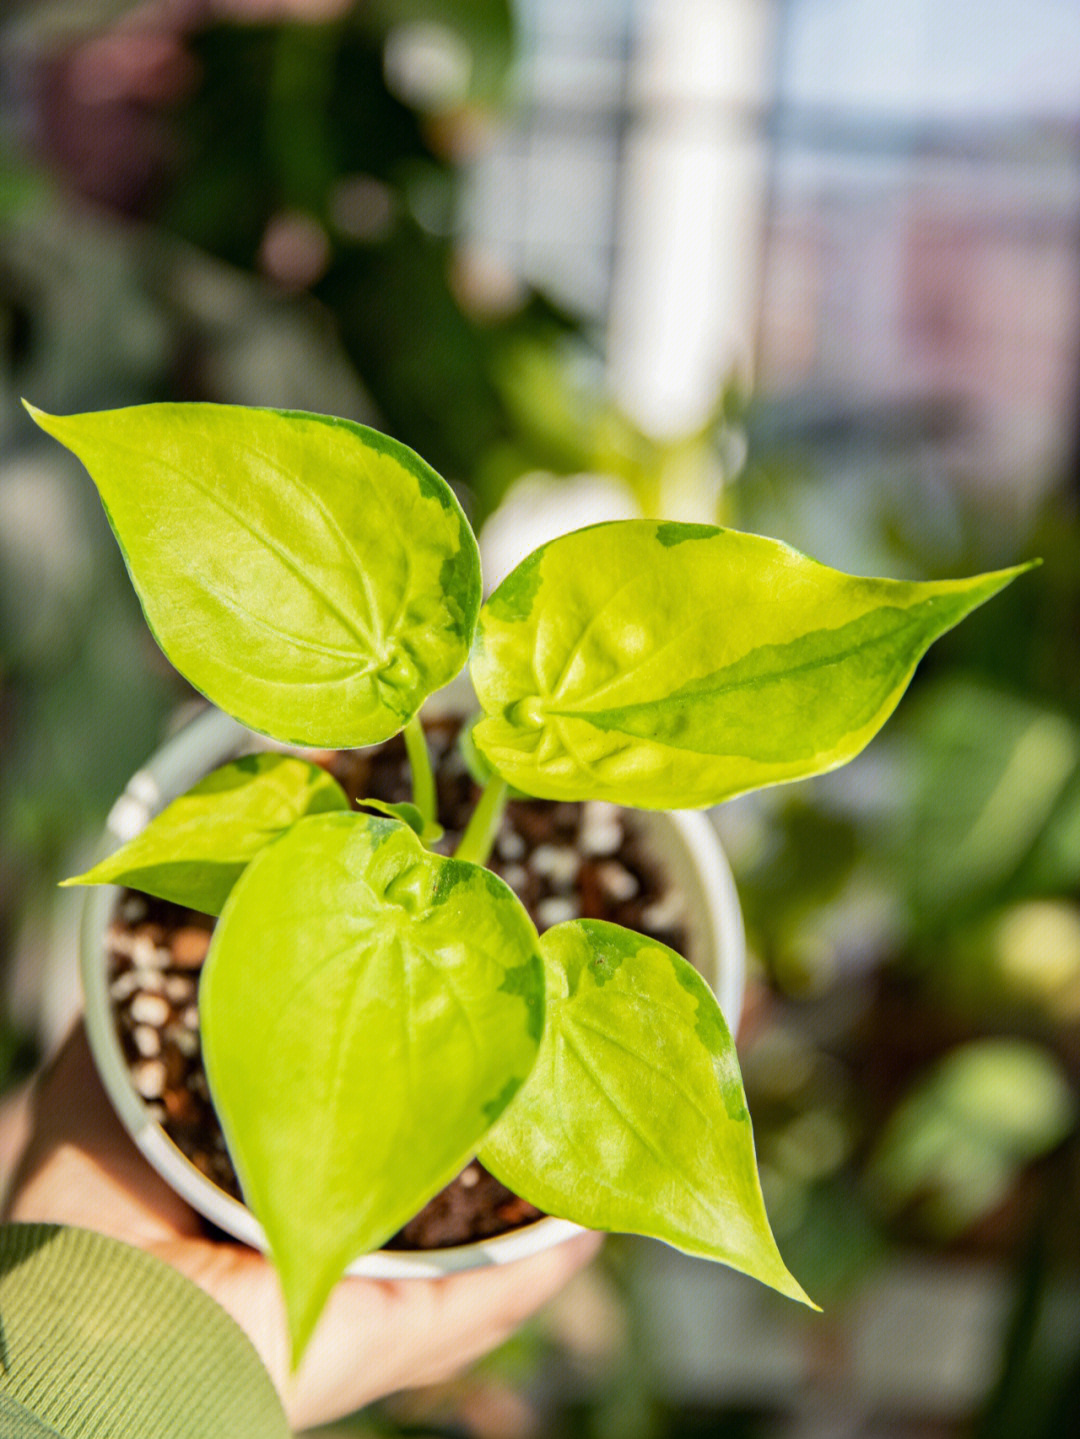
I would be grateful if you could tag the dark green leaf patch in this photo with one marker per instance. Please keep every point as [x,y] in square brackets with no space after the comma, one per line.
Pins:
[785,703]
[671,533]
[514,598]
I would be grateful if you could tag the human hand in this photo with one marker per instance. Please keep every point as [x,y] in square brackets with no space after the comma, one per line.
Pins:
[80,1167]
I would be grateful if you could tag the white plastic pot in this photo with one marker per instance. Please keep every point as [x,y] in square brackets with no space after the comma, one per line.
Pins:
[684,843]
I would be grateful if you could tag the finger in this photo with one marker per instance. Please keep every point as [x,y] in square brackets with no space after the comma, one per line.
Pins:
[378,1336]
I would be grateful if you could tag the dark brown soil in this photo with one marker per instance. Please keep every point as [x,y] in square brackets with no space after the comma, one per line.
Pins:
[565,861]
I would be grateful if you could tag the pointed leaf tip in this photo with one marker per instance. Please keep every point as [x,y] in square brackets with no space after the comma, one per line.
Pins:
[39,417]
[634,1116]
[195,850]
[674,666]
[55,425]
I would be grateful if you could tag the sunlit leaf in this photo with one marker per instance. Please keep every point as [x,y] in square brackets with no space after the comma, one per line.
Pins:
[478,765]
[314,578]
[634,1116]
[98,1338]
[368,1009]
[408,814]
[195,850]
[672,666]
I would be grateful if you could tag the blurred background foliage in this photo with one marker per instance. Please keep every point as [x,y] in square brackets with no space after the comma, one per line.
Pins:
[422,215]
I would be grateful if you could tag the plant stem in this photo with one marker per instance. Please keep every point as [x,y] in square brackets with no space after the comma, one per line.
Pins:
[423,781]
[484,823]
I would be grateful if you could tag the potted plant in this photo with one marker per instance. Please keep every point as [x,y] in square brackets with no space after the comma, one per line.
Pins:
[662,874]
[373,1014]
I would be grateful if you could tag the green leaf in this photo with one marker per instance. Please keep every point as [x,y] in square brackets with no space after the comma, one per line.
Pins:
[312,577]
[97,1338]
[195,850]
[479,767]
[395,1008]
[408,814]
[671,666]
[634,1117]
[955,1145]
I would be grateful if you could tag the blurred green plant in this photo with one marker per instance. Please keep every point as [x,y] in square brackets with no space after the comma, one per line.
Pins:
[954,1147]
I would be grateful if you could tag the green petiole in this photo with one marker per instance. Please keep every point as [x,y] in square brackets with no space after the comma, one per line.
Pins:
[423,781]
[484,822]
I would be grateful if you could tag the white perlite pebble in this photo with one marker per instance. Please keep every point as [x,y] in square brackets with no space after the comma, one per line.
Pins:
[556,910]
[509,845]
[149,1078]
[669,909]
[150,1009]
[470,1177]
[145,954]
[133,909]
[601,828]
[147,1040]
[516,877]
[186,1040]
[150,980]
[558,865]
[179,989]
[190,1017]
[139,948]
[617,880]
[124,986]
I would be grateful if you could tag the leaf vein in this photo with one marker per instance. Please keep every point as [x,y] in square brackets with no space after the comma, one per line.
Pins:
[664,1075]
[657,1153]
[333,523]
[579,643]
[302,643]
[351,624]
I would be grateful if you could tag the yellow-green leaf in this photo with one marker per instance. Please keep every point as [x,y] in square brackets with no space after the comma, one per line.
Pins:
[634,1117]
[195,850]
[671,666]
[409,814]
[368,1010]
[314,578]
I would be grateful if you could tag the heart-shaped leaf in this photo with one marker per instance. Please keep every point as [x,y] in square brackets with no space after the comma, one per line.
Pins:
[671,666]
[314,578]
[634,1117]
[368,1010]
[196,849]
[97,1338]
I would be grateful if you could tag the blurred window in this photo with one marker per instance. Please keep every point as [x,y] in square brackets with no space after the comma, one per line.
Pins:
[919,245]
[922,253]
[542,199]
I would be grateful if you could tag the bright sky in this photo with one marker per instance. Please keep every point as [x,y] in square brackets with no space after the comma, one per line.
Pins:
[951,59]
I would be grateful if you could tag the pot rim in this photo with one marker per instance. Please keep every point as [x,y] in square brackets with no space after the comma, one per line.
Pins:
[209,739]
